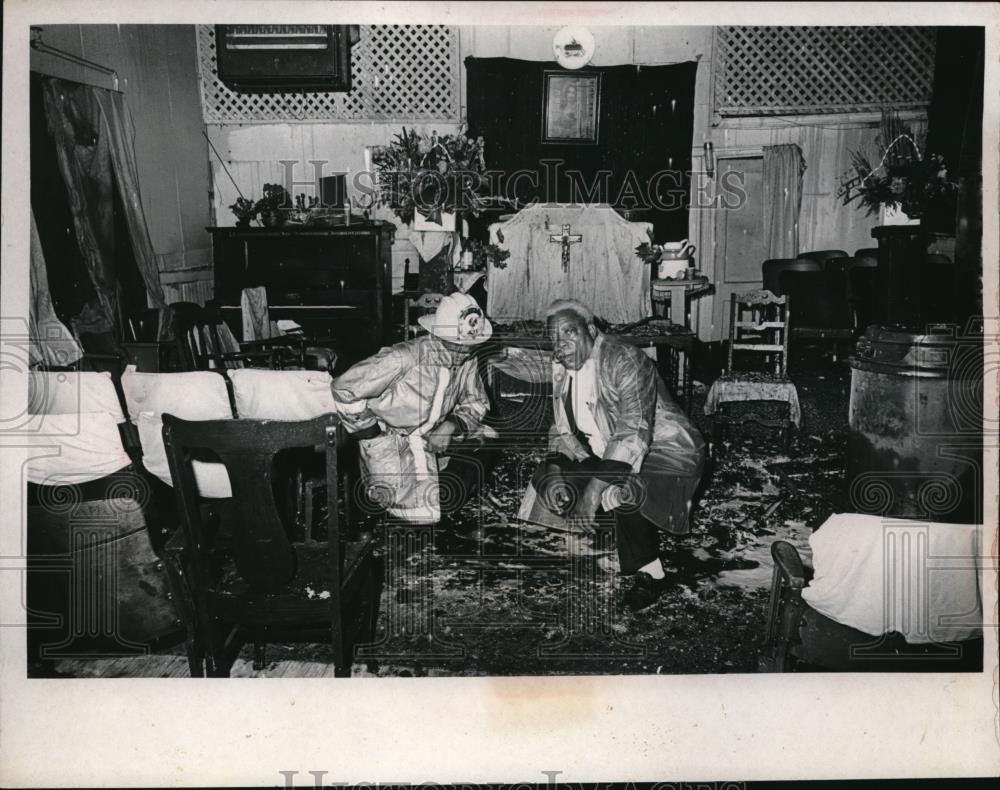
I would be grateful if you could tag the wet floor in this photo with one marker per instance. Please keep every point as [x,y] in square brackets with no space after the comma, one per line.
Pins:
[486,594]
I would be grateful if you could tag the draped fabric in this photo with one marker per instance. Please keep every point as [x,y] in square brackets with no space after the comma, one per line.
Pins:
[604,271]
[120,132]
[92,135]
[257,323]
[74,120]
[645,127]
[783,169]
[51,343]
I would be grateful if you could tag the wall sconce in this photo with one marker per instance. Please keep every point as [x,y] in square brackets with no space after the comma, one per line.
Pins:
[709,159]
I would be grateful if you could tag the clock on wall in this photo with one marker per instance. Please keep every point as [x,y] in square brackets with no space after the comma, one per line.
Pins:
[573,47]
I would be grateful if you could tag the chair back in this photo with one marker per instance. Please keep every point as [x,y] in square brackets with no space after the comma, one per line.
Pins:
[820,298]
[868,295]
[421,305]
[821,255]
[934,259]
[192,340]
[771,271]
[261,547]
[143,326]
[866,256]
[839,265]
[759,323]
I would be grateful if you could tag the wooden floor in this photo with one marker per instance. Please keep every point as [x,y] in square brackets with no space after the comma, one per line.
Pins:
[165,666]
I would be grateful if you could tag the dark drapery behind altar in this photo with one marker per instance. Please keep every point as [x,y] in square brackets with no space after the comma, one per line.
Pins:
[645,128]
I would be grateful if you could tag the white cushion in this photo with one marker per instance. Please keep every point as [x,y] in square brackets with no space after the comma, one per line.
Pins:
[282,394]
[73,392]
[198,395]
[75,448]
[211,477]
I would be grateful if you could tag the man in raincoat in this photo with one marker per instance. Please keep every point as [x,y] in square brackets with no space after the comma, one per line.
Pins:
[618,442]
[409,403]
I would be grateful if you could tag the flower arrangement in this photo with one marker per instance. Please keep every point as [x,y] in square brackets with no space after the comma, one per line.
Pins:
[245,210]
[430,175]
[484,254]
[275,197]
[903,178]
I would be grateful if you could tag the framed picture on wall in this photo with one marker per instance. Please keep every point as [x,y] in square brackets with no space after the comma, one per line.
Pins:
[570,107]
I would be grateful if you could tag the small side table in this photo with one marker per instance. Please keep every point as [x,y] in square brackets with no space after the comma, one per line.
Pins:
[678,293]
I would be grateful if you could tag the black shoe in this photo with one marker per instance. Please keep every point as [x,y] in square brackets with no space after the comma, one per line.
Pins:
[644,591]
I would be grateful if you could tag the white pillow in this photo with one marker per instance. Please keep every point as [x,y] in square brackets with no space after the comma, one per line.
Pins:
[210,476]
[282,394]
[198,395]
[75,448]
[73,392]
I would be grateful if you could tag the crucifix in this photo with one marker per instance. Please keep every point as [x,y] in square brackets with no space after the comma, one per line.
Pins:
[565,238]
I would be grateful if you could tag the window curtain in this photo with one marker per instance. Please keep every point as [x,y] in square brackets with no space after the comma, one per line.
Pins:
[50,342]
[783,169]
[93,146]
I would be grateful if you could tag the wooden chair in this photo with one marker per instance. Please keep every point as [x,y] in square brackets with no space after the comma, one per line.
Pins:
[821,255]
[203,342]
[415,301]
[866,256]
[308,353]
[257,584]
[771,271]
[759,323]
[800,638]
[821,300]
[417,306]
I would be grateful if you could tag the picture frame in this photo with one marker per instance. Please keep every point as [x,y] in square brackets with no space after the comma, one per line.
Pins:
[571,102]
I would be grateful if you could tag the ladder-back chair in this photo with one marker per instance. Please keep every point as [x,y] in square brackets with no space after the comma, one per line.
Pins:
[759,325]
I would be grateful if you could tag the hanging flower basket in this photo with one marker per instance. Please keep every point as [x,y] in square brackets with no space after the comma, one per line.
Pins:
[903,179]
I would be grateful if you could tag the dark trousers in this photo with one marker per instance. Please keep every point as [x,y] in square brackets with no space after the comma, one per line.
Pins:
[468,467]
[636,537]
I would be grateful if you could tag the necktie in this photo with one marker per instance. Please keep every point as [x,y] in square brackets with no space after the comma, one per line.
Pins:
[571,419]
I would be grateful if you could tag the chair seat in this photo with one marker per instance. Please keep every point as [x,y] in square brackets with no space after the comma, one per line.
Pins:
[739,386]
[306,601]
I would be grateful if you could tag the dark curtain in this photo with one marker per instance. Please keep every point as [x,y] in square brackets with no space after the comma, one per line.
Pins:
[74,121]
[91,133]
[645,123]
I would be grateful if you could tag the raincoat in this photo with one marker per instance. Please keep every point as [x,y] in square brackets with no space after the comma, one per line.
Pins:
[406,390]
[642,429]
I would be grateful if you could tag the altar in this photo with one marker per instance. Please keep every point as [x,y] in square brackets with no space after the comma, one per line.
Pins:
[586,253]
[570,252]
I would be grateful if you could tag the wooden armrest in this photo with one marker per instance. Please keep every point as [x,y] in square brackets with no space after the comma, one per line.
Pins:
[787,560]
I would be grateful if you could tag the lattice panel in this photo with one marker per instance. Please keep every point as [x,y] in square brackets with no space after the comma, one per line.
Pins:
[797,70]
[398,73]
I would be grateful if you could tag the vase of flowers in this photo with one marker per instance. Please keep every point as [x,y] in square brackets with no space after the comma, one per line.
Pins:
[271,206]
[244,210]
[431,181]
[901,179]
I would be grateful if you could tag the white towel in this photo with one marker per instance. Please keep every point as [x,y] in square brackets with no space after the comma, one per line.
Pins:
[917,578]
